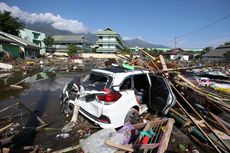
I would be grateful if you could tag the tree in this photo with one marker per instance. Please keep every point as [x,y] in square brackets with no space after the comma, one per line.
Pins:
[10,24]
[73,49]
[126,50]
[48,41]
[204,51]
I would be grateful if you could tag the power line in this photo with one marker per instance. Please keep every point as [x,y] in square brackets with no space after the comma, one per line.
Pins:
[204,27]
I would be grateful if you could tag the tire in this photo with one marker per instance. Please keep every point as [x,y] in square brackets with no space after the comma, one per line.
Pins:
[132,116]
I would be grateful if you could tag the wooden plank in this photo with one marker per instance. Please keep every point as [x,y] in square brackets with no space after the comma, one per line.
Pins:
[206,136]
[164,66]
[5,128]
[37,117]
[118,146]
[220,123]
[6,108]
[68,149]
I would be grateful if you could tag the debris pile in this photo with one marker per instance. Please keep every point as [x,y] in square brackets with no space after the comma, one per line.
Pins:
[200,113]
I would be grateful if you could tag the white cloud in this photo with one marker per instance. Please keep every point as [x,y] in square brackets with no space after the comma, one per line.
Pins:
[129,38]
[56,21]
[98,30]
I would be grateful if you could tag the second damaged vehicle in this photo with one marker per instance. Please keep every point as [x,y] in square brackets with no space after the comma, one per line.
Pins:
[111,97]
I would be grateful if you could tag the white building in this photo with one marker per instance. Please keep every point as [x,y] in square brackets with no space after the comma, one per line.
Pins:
[177,54]
[109,41]
[34,37]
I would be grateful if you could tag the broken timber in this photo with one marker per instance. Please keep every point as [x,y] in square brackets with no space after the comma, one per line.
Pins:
[37,117]
[201,120]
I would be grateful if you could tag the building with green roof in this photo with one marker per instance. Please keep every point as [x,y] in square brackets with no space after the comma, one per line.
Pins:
[17,46]
[109,41]
[34,37]
[61,42]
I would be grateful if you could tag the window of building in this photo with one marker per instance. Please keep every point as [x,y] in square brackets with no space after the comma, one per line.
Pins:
[36,35]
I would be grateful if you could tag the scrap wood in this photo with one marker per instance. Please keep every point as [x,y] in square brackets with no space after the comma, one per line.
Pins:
[6,108]
[8,139]
[201,119]
[162,60]
[182,68]
[211,100]
[37,117]
[220,123]
[5,128]
[187,121]
[16,87]
[187,81]
[37,129]
[166,136]
[71,148]
[35,149]
[144,52]
[200,143]
[132,147]
[118,146]
[162,129]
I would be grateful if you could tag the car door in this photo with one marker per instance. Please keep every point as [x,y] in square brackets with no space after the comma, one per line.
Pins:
[162,97]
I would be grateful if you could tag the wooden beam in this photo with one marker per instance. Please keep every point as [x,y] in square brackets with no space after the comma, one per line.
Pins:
[220,123]
[5,128]
[201,118]
[37,117]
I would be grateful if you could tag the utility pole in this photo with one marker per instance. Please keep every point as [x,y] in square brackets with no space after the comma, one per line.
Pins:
[175,42]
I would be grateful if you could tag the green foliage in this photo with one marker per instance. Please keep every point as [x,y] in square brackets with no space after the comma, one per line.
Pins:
[155,52]
[227,43]
[10,24]
[48,41]
[73,49]
[204,51]
[126,50]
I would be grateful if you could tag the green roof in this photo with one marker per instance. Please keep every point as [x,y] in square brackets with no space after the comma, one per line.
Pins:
[107,31]
[69,39]
[5,39]
[19,40]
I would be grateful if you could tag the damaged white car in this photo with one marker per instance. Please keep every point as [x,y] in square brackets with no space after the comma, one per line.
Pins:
[111,97]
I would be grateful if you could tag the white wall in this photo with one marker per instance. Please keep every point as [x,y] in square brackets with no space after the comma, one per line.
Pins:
[29,36]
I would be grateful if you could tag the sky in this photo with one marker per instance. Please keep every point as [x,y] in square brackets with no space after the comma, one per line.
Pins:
[155,21]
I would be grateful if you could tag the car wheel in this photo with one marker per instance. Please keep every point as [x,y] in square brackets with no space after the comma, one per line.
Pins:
[132,116]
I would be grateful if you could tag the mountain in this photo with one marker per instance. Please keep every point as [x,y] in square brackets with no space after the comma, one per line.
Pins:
[141,43]
[47,29]
[91,37]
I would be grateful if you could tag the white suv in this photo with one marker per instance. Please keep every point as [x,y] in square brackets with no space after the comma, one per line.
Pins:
[111,97]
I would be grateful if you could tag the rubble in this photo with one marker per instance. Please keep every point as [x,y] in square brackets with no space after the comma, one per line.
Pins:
[201,113]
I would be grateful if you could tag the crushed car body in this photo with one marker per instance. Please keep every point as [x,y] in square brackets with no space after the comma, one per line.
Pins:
[113,96]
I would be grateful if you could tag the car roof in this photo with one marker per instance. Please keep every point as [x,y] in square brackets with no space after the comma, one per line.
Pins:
[119,73]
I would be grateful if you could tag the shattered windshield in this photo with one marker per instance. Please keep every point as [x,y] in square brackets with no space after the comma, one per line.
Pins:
[97,81]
